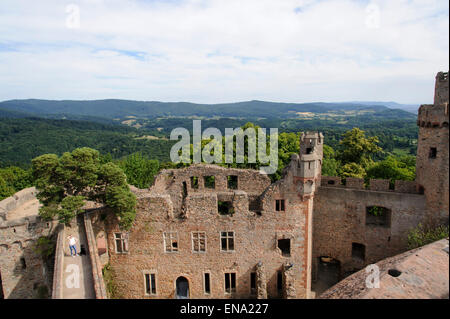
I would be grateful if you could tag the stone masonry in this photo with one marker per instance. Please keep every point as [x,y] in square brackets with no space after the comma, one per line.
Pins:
[269,225]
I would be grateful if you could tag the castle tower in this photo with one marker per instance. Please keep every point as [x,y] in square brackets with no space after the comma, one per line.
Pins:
[310,162]
[433,152]
[307,177]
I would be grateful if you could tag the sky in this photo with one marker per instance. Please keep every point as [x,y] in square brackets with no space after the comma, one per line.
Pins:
[220,51]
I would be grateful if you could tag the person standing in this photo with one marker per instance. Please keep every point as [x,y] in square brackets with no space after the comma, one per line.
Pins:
[72,245]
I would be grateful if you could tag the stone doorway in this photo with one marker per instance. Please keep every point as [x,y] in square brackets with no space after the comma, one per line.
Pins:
[328,274]
[182,288]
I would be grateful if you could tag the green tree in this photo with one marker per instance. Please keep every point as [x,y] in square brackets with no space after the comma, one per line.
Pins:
[139,169]
[16,177]
[5,189]
[357,148]
[394,169]
[66,182]
[330,165]
[352,170]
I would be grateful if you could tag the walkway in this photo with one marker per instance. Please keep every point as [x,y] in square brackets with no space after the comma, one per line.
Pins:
[74,286]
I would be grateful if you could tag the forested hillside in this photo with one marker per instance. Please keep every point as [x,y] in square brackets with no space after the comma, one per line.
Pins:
[112,109]
[23,139]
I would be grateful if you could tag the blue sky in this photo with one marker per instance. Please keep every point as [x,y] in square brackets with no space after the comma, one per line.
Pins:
[223,50]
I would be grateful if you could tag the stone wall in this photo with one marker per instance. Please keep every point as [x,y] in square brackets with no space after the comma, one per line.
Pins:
[22,270]
[340,220]
[99,285]
[59,264]
[171,207]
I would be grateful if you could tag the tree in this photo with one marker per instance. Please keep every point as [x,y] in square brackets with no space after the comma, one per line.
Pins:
[352,170]
[139,169]
[356,148]
[330,166]
[5,189]
[394,169]
[16,177]
[66,182]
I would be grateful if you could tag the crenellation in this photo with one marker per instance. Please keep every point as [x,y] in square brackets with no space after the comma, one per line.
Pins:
[352,182]
[379,185]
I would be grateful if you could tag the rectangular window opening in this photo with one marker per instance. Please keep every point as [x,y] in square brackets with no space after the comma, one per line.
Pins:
[230,282]
[150,284]
[171,241]
[227,241]
[378,216]
[232,181]
[253,283]
[358,251]
[210,182]
[285,246]
[279,205]
[433,152]
[194,182]
[225,207]
[207,286]
[121,240]
[199,242]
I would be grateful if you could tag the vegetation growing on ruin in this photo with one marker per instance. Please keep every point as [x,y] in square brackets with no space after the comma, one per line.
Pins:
[422,235]
[66,182]
[108,278]
[45,247]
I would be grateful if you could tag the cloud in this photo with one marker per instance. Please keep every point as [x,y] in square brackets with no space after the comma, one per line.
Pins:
[224,50]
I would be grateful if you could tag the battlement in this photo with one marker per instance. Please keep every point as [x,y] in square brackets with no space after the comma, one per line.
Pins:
[381,185]
[433,115]
[441,88]
[311,146]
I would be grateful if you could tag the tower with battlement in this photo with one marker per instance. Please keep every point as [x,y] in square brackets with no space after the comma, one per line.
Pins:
[310,162]
[433,152]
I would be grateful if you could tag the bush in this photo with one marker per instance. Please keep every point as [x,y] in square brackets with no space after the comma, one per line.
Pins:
[421,235]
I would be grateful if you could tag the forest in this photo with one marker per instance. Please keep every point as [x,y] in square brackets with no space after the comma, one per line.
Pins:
[351,153]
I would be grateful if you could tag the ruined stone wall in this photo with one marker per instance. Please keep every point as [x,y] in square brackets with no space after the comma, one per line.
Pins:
[256,234]
[22,270]
[340,220]
[171,182]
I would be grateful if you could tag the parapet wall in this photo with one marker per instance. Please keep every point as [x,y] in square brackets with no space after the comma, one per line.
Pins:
[59,260]
[97,275]
[380,185]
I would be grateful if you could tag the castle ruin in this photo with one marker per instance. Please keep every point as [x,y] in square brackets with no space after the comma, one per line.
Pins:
[207,231]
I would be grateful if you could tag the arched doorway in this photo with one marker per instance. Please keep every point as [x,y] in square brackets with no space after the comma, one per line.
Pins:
[182,288]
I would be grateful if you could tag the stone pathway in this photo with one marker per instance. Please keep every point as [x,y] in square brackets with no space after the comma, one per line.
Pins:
[77,271]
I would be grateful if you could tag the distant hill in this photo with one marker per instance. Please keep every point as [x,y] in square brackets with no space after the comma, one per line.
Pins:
[120,109]
[412,108]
